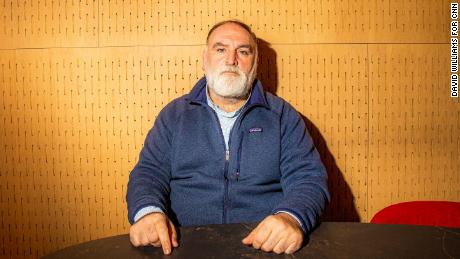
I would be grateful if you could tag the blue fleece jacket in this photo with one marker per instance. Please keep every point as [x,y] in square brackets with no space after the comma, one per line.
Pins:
[272,166]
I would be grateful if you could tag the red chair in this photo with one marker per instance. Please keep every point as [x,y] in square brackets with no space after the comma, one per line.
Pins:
[428,213]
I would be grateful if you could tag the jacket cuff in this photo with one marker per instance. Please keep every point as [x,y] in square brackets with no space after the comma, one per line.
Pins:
[293,214]
[145,211]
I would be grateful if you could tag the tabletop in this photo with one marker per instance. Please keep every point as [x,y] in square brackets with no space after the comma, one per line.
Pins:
[328,240]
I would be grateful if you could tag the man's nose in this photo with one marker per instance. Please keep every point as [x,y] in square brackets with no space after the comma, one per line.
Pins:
[231,58]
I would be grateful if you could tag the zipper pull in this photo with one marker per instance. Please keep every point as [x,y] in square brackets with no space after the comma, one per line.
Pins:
[237,174]
[227,155]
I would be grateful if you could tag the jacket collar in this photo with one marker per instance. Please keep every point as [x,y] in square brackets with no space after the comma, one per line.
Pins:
[198,94]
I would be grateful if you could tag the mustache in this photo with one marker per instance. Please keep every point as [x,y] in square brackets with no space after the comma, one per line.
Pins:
[232,69]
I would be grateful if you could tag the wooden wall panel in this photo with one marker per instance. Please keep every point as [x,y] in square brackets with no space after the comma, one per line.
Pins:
[328,85]
[48,23]
[414,125]
[74,121]
[81,83]
[37,24]
[313,21]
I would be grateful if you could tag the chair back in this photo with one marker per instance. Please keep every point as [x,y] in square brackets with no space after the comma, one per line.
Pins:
[429,213]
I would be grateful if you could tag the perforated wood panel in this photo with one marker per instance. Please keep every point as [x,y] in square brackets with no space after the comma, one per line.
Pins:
[74,121]
[414,126]
[81,83]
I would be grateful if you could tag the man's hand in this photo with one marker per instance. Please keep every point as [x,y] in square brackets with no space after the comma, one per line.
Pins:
[154,229]
[279,233]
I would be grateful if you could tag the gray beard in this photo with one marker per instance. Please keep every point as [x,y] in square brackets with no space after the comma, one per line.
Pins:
[228,86]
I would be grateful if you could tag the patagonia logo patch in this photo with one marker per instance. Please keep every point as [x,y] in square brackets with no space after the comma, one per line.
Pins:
[251,130]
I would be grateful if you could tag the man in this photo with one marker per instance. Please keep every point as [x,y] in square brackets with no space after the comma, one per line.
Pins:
[227,152]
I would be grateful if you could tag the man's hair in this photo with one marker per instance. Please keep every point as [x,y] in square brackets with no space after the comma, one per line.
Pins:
[234,21]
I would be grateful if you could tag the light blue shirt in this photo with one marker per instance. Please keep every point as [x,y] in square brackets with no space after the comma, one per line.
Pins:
[226,119]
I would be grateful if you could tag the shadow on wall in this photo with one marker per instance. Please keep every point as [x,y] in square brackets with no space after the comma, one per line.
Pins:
[341,207]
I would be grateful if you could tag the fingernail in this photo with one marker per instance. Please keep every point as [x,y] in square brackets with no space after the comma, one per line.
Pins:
[167,251]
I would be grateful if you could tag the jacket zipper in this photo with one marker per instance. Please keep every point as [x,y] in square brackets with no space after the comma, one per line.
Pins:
[227,159]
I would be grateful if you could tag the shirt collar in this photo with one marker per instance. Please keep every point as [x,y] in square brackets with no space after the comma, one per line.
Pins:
[221,112]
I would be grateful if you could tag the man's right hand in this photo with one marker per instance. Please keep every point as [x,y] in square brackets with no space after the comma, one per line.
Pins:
[154,229]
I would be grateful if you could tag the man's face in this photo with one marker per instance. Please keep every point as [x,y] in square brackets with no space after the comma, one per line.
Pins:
[229,61]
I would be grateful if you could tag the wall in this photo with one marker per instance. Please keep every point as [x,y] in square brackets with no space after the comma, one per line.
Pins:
[81,83]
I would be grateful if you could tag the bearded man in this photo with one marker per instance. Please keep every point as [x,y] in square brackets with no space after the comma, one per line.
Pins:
[227,152]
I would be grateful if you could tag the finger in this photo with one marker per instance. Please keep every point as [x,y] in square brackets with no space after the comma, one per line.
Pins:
[260,237]
[270,242]
[292,248]
[156,244]
[250,237]
[152,236]
[134,239]
[163,234]
[173,235]
[143,239]
[279,247]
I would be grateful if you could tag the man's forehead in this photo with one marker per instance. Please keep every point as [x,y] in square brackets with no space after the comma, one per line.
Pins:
[230,32]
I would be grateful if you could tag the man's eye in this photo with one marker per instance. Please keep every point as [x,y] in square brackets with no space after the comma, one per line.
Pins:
[244,52]
[220,50]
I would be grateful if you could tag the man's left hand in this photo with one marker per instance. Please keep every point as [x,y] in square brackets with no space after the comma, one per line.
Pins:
[279,233]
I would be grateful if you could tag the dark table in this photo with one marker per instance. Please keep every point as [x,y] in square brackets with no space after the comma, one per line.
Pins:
[329,240]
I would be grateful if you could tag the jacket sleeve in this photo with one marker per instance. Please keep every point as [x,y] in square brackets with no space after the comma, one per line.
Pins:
[148,183]
[303,175]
